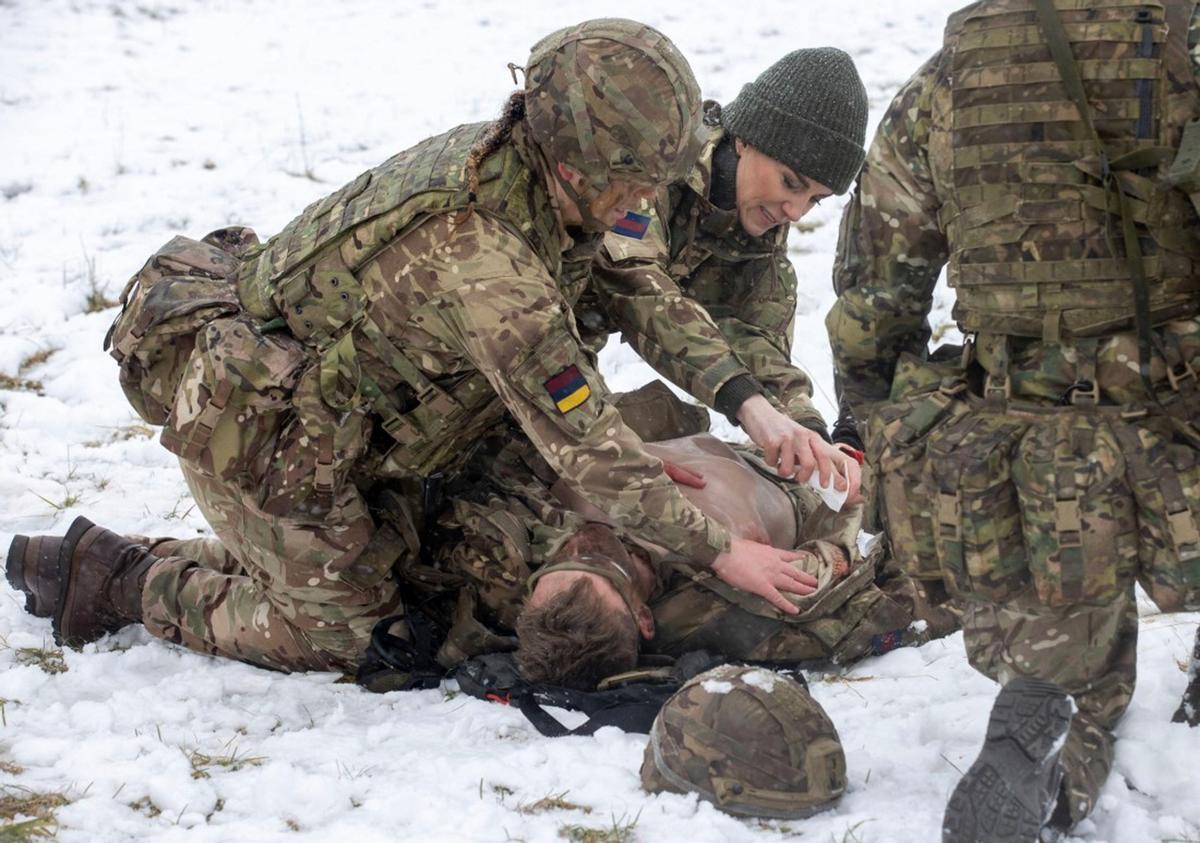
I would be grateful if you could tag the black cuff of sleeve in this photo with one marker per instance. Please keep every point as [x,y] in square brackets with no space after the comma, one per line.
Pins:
[734,393]
[845,429]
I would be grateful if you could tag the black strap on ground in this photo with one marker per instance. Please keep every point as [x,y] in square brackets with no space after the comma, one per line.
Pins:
[393,663]
[630,707]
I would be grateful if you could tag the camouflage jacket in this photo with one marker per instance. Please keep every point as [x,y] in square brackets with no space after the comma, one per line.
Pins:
[893,246]
[431,321]
[702,301]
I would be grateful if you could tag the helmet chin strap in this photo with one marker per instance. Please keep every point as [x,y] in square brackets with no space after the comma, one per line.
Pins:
[584,201]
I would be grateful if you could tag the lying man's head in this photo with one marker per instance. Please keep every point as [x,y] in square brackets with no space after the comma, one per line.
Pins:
[584,614]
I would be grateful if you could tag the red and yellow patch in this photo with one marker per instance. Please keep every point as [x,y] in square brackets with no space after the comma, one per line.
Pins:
[569,388]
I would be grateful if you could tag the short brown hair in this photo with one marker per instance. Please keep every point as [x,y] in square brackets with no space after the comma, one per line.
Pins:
[574,639]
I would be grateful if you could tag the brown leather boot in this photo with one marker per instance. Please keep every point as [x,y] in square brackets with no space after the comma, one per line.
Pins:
[100,576]
[32,569]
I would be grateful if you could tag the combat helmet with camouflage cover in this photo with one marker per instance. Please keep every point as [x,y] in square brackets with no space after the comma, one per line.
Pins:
[751,741]
[613,99]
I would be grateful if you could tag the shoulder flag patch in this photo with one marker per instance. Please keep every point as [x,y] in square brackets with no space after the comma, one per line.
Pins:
[632,225]
[568,388]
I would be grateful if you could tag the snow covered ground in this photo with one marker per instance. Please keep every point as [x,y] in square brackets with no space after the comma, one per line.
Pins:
[123,123]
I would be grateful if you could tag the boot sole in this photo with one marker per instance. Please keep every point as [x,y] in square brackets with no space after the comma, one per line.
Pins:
[14,568]
[66,595]
[1003,798]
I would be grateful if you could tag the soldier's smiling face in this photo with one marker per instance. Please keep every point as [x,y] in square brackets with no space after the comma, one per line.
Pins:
[770,193]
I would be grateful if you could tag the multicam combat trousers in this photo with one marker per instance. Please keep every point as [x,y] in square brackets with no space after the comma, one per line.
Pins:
[270,590]
[1040,520]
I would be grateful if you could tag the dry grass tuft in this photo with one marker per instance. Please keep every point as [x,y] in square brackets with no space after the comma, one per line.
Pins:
[12,384]
[203,763]
[49,659]
[553,802]
[28,815]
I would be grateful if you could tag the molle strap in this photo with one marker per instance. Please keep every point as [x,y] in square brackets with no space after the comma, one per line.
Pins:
[323,474]
[427,392]
[1181,519]
[1164,489]
[395,423]
[206,422]
[1085,391]
[949,511]
[1052,326]
[997,386]
[1068,521]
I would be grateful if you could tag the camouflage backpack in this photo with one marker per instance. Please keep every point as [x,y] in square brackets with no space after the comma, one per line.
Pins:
[183,286]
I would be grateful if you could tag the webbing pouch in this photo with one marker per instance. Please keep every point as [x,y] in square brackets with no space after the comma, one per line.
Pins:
[1077,510]
[897,438]
[230,403]
[314,453]
[183,286]
[977,523]
[1163,461]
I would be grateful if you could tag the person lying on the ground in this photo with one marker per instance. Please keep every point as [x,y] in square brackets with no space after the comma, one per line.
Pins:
[597,592]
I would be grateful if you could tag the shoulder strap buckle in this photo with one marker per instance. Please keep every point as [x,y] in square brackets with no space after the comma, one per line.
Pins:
[1084,393]
[1180,374]
[997,388]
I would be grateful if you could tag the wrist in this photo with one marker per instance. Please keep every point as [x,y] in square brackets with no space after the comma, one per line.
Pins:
[733,395]
[752,409]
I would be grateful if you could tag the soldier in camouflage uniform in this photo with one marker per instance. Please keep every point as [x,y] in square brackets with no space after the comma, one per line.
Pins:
[707,295]
[370,344]
[1053,463]
[515,537]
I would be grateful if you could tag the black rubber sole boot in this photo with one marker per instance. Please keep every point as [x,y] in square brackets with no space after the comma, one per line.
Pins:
[1010,791]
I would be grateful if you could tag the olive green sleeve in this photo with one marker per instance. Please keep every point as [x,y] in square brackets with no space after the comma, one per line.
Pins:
[671,331]
[890,250]
[757,319]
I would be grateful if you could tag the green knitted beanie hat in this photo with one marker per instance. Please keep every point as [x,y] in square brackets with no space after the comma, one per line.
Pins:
[808,111]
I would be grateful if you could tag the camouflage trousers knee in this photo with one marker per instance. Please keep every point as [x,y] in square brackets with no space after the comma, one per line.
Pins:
[1040,520]
[273,591]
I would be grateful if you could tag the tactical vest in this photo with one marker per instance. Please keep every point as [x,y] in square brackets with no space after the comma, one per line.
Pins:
[306,277]
[1036,239]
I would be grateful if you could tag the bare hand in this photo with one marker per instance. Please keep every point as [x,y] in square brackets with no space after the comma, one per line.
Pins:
[766,571]
[796,451]
[684,476]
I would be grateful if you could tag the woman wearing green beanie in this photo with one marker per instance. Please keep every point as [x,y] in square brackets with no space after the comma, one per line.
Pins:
[707,295]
